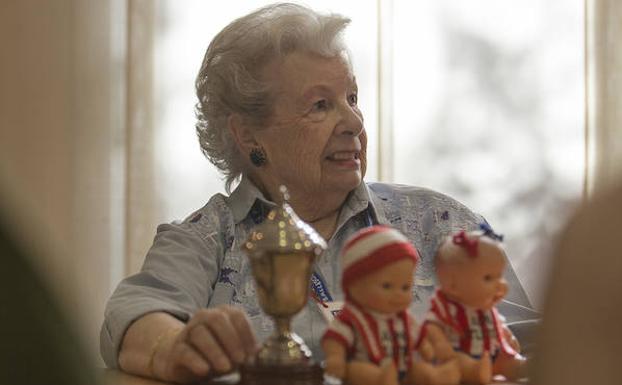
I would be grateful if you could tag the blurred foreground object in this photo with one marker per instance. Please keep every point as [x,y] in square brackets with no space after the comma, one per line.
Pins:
[37,344]
[579,342]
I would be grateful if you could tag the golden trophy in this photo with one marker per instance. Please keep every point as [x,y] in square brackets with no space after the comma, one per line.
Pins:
[282,251]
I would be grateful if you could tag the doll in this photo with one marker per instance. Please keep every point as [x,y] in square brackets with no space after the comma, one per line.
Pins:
[373,340]
[462,320]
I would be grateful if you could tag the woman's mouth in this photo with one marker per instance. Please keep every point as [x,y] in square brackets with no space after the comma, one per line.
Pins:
[344,156]
[345,160]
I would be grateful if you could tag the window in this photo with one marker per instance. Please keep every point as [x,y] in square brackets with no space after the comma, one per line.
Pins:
[489,109]
[482,100]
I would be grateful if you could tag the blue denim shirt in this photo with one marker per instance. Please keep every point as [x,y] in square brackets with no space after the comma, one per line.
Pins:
[198,262]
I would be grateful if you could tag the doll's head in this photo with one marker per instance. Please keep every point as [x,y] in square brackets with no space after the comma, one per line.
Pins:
[378,269]
[470,267]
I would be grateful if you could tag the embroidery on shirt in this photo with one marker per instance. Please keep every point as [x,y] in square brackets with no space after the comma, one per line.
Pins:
[225,273]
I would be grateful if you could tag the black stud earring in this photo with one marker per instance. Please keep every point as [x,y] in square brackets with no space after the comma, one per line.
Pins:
[258,156]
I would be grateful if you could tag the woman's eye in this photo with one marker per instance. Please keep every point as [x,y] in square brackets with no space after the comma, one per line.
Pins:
[320,105]
[488,277]
[405,287]
[386,285]
[353,99]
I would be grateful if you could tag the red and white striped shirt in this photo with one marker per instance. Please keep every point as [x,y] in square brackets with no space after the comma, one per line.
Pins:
[375,337]
[469,330]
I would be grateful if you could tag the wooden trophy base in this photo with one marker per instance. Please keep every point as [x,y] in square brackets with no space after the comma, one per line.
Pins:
[281,375]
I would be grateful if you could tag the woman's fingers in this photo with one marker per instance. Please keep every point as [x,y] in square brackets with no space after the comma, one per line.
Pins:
[205,342]
[223,336]
[243,329]
[187,364]
[229,337]
[213,340]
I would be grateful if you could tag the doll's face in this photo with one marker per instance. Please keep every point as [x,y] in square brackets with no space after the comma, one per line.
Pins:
[476,281]
[387,290]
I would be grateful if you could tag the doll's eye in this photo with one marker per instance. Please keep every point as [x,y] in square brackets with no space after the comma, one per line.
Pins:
[386,285]
[406,287]
[488,277]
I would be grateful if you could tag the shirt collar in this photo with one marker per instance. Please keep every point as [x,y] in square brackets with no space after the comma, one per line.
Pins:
[246,194]
[243,198]
[376,204]
[362,198]
[357,201]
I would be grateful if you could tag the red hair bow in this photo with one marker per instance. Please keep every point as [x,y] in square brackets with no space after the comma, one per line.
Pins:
[470,245]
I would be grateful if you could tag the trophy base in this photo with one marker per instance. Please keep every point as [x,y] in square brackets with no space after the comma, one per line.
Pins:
[266,374]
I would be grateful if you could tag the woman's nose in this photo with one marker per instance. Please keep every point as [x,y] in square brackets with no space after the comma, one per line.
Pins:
[350,122]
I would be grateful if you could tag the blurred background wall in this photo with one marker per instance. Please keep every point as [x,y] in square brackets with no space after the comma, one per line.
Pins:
[62,137]
[97,141]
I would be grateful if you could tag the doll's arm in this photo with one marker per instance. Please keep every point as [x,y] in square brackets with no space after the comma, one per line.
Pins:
[335,354]
[442,349]
[426,350]
[510,339]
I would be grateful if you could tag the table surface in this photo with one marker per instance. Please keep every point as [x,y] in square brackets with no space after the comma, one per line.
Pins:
[115,377]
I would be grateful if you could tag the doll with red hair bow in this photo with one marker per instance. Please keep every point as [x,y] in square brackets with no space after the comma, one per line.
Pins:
[462,321]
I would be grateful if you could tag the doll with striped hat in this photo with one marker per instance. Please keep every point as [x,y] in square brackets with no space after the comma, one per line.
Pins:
[374,339]
[463,322]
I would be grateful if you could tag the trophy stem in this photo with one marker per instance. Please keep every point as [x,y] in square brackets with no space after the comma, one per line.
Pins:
[282,326]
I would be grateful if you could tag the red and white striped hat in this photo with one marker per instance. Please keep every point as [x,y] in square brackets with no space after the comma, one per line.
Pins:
[372,248]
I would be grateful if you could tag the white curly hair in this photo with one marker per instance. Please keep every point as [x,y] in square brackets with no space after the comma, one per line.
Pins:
[229,80]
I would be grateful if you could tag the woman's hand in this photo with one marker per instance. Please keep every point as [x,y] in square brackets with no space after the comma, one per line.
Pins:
[213,341]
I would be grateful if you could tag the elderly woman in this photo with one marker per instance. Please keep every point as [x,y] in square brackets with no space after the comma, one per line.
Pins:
[277,106]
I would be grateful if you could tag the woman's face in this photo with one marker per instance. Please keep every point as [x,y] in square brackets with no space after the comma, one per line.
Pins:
[315,140]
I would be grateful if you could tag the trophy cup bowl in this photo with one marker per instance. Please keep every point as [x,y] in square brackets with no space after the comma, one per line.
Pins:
[282,251]
[283,289]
